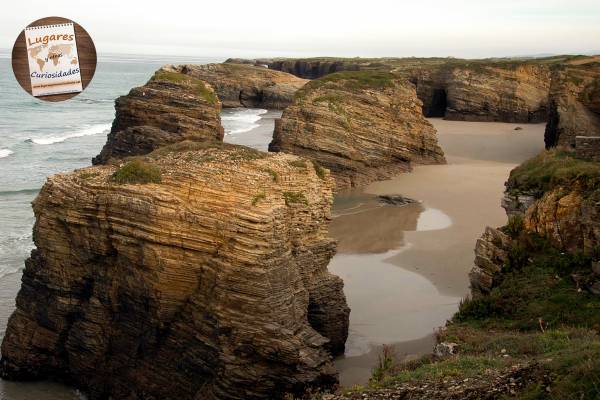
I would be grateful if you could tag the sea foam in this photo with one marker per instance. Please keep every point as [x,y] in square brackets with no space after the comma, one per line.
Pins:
[5,153]
[92,130]
[240,120]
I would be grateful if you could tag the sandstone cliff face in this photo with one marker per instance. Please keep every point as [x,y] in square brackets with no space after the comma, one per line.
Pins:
[483,92]
[568,216]
[574,105]
[479,90]
[362,127]
[170,108]
[239,85]
[211,283]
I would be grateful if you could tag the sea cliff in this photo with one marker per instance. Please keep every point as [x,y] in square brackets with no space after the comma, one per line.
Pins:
[362,126]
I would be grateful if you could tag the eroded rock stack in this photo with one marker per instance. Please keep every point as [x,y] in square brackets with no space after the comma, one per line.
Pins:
[170,108]
[210,283]
[241,85]
[362,126]
[574,105]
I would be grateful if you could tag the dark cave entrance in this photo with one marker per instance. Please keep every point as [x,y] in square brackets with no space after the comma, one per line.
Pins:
[439,102]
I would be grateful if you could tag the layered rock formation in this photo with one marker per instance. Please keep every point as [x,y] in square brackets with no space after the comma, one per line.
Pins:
[469,90]
[556,196]
[239,85]
[480,92]
[362,126]
[574,105]
[210,283]
[491,254]
[170,108]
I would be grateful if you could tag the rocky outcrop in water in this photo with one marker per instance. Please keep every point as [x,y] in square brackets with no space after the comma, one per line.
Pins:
[361,126]
[240,85]
[574,105]
[209,281]
[170,108]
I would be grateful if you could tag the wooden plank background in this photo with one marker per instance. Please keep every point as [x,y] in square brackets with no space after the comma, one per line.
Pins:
[86,52]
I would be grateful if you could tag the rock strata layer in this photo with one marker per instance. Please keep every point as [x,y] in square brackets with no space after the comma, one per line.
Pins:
[170,108]
[574,105]
[361,126]
[480,92]
[210,283]
[240,85]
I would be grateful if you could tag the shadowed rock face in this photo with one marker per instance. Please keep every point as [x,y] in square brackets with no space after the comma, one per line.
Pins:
[574,105]
[361,126]
[170,108]
[240,85]
[211,284]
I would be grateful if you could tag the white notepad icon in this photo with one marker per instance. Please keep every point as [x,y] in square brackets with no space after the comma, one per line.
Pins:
[53,60]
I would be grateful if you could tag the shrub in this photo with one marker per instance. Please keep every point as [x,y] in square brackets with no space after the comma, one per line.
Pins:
[294,198]
[385,361]
[320,171]
[273,173]
[137,172]
[515,226]
[258,197]
[298,163]
[88,175]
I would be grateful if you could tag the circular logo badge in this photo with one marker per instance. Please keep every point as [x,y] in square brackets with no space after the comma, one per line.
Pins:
[54,59]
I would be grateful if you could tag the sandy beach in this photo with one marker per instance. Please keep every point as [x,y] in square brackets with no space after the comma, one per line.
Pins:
[405,268]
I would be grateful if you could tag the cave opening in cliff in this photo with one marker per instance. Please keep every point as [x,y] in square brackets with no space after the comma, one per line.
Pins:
[439,102]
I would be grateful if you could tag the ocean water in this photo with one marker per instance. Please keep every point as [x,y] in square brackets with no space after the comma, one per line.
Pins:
[38,139]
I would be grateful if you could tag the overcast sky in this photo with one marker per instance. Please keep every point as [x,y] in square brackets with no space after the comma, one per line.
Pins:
[460,28]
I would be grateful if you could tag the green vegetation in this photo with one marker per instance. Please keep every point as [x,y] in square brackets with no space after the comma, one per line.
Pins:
[320,171]
[591,92]
[298,164]
[514,227]
[231,152]
[137,172]
[88,175]
[352,81]
[184,146]
[294,198]
[552,168]
[200,87]
[258,197]
[273,173]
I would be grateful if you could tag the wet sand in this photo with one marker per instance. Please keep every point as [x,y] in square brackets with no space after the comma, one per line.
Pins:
[403,279]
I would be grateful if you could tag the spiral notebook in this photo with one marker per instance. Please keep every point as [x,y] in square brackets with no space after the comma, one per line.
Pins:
[53,60]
